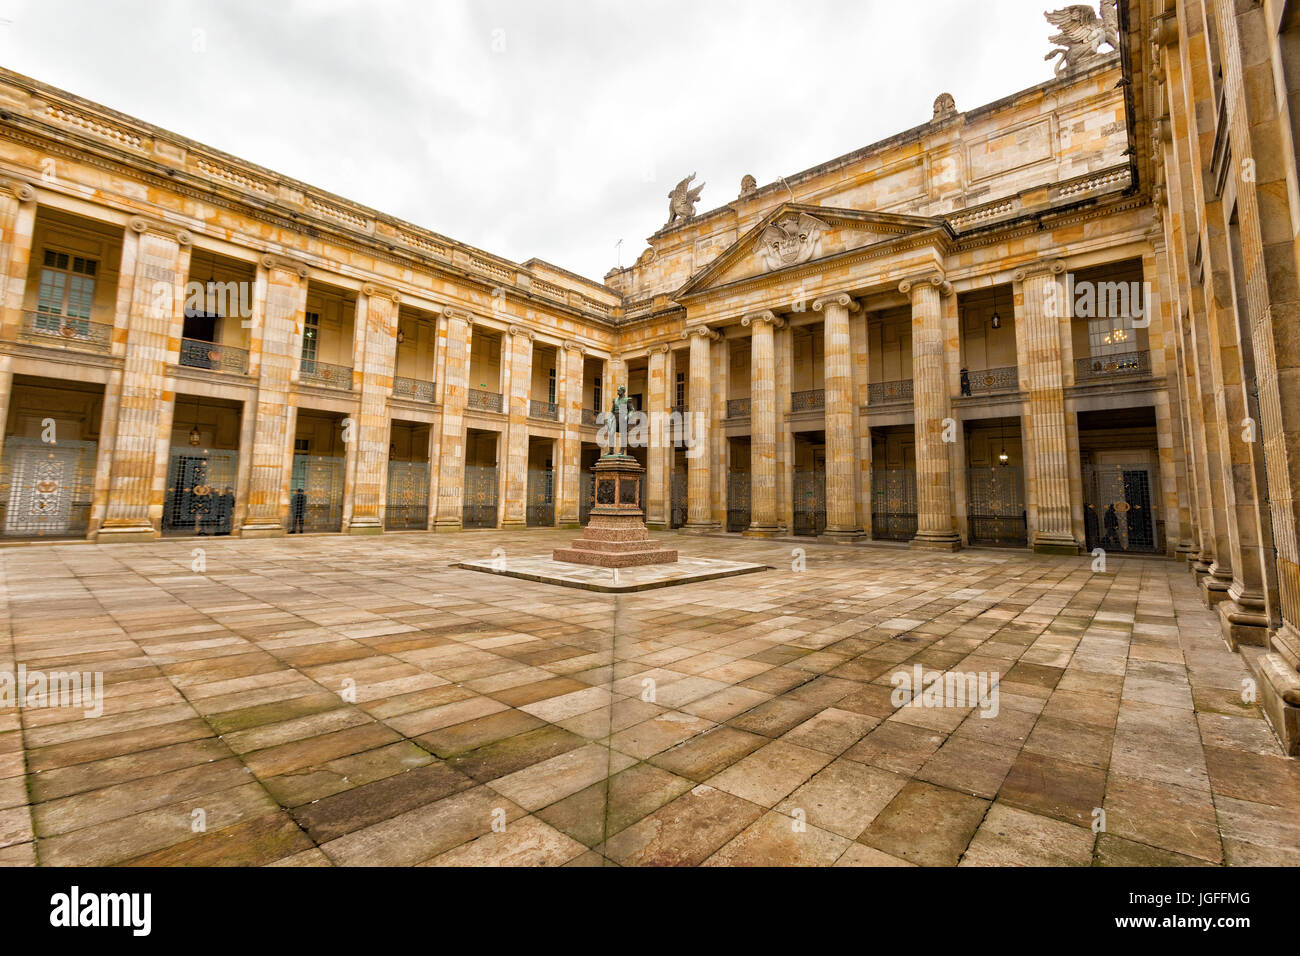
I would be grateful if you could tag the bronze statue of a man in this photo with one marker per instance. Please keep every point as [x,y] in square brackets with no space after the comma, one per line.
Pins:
[618,413]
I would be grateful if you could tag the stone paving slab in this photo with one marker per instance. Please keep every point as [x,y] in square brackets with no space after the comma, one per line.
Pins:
[338,701]
[613,580]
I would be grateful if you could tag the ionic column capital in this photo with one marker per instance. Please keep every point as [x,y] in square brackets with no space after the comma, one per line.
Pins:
[1041,267]
[702,330]
[660,349]
[573,346]
[371,289]
[763,316]
[22,191]
[520,330]
[141,225]
[269,262]
[934,279]
[838,298]
[459,315]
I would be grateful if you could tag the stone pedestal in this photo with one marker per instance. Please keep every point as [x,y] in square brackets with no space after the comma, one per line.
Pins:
[616,535]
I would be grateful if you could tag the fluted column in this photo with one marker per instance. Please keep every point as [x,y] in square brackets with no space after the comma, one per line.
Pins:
[152,256]
[699,502]
[658,455]
[762,418]
[932,404]
[17,224]
[1042,307]
[572,359]
[515,471]
[377,318]
[841,474]
[279,304]
[451,454]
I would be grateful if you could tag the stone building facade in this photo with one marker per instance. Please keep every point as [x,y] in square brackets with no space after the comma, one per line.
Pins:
[1045,322]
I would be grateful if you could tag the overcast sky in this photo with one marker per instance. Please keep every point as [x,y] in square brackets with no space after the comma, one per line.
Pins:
[540,128]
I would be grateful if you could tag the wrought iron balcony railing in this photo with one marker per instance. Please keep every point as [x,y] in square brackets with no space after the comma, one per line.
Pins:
[1002,379]
[321,373]
[482,401]
[737,408]
[1097,367]
[808,401]
[589,416]
[196,353]
[46,329]
[548,410]
[885,393]
[415,388]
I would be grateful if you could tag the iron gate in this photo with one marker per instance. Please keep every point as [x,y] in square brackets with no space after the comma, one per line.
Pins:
[541,497]
[893,504]
[1117,512]
[319,506]
[407,504]
[677,513]
[46,488]
[200,491]
[480,505]
[996,506]
[737,500]
[809,502]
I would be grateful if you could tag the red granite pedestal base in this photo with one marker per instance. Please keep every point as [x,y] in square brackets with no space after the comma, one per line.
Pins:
[616,537]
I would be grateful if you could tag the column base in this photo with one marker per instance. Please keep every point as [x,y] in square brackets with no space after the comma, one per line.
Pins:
[446,526]
[1214,587]
[1045,543]
[1279,697]
[261,529]
[366,527]
[936,542]
[703,527]
[513,524]
[1244,619]
[761,531]
[842,535]
[1184,552]
[125,534]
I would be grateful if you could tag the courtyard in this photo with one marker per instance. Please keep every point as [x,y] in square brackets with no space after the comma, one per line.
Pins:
[319,700]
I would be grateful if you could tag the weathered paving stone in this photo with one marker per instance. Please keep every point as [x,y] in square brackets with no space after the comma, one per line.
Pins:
[925,824]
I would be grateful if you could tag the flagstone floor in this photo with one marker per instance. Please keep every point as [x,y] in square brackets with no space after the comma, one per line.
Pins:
[323,700]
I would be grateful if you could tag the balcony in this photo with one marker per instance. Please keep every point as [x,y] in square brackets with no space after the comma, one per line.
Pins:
[480,401]
[210,355]
[810,400]
[984,380]
[737,408]
[889,393]
[589,417]
[413,388]
[61,331]
[330,376]
[548,410]
[1104,367]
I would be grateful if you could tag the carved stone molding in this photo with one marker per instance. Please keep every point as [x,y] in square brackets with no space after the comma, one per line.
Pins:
[22,191]
[702,330]
[766,315]
[839,298]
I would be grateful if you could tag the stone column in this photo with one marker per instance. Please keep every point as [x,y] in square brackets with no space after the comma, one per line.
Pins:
[1042,304]
[785,437]
[932,407]
[17,223]
[279,303]
[762,417]
[377,315]
[659,454]
[699,453]
[154,257]
[569,470]
[841,473]
[451,453]
[515,471]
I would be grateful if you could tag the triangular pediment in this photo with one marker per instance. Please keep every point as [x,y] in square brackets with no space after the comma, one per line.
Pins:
[794,234]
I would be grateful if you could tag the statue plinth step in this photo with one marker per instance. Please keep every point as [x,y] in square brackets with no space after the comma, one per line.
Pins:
[616,559]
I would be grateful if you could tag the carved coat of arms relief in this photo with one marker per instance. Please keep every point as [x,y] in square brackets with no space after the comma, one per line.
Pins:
[790,240]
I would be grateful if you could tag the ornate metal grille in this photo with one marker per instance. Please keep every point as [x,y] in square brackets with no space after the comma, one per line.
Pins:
[884,393]
[407,505]
[737,501]
[46,489]
[809,502]
[996,506]
[541,498]
[320,507]
[482,401]
[737,408]
[321,373]
[589,416]
[807,401]
[479,509]
[1117,512]
[200,495]
[414,388]
[677,512]
[893,504]
[1112,366]
[547,410]
[1002,379]
[68,331]
[220,358]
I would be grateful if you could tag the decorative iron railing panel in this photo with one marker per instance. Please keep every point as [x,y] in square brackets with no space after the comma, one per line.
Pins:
[738,500]
[312,372]
[589,416]
[479,508]
[219,358]
[46,488]
[547,410]
[541,498]
[1097,367]
[809,489]
[1004,379]
[808,401]
[995,511]
[46,329]
[893,504]
[886,393]
[413,388]
[1117,510]
[406,507]
[481,401]
[200,496]
[319,507]
[737,408]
